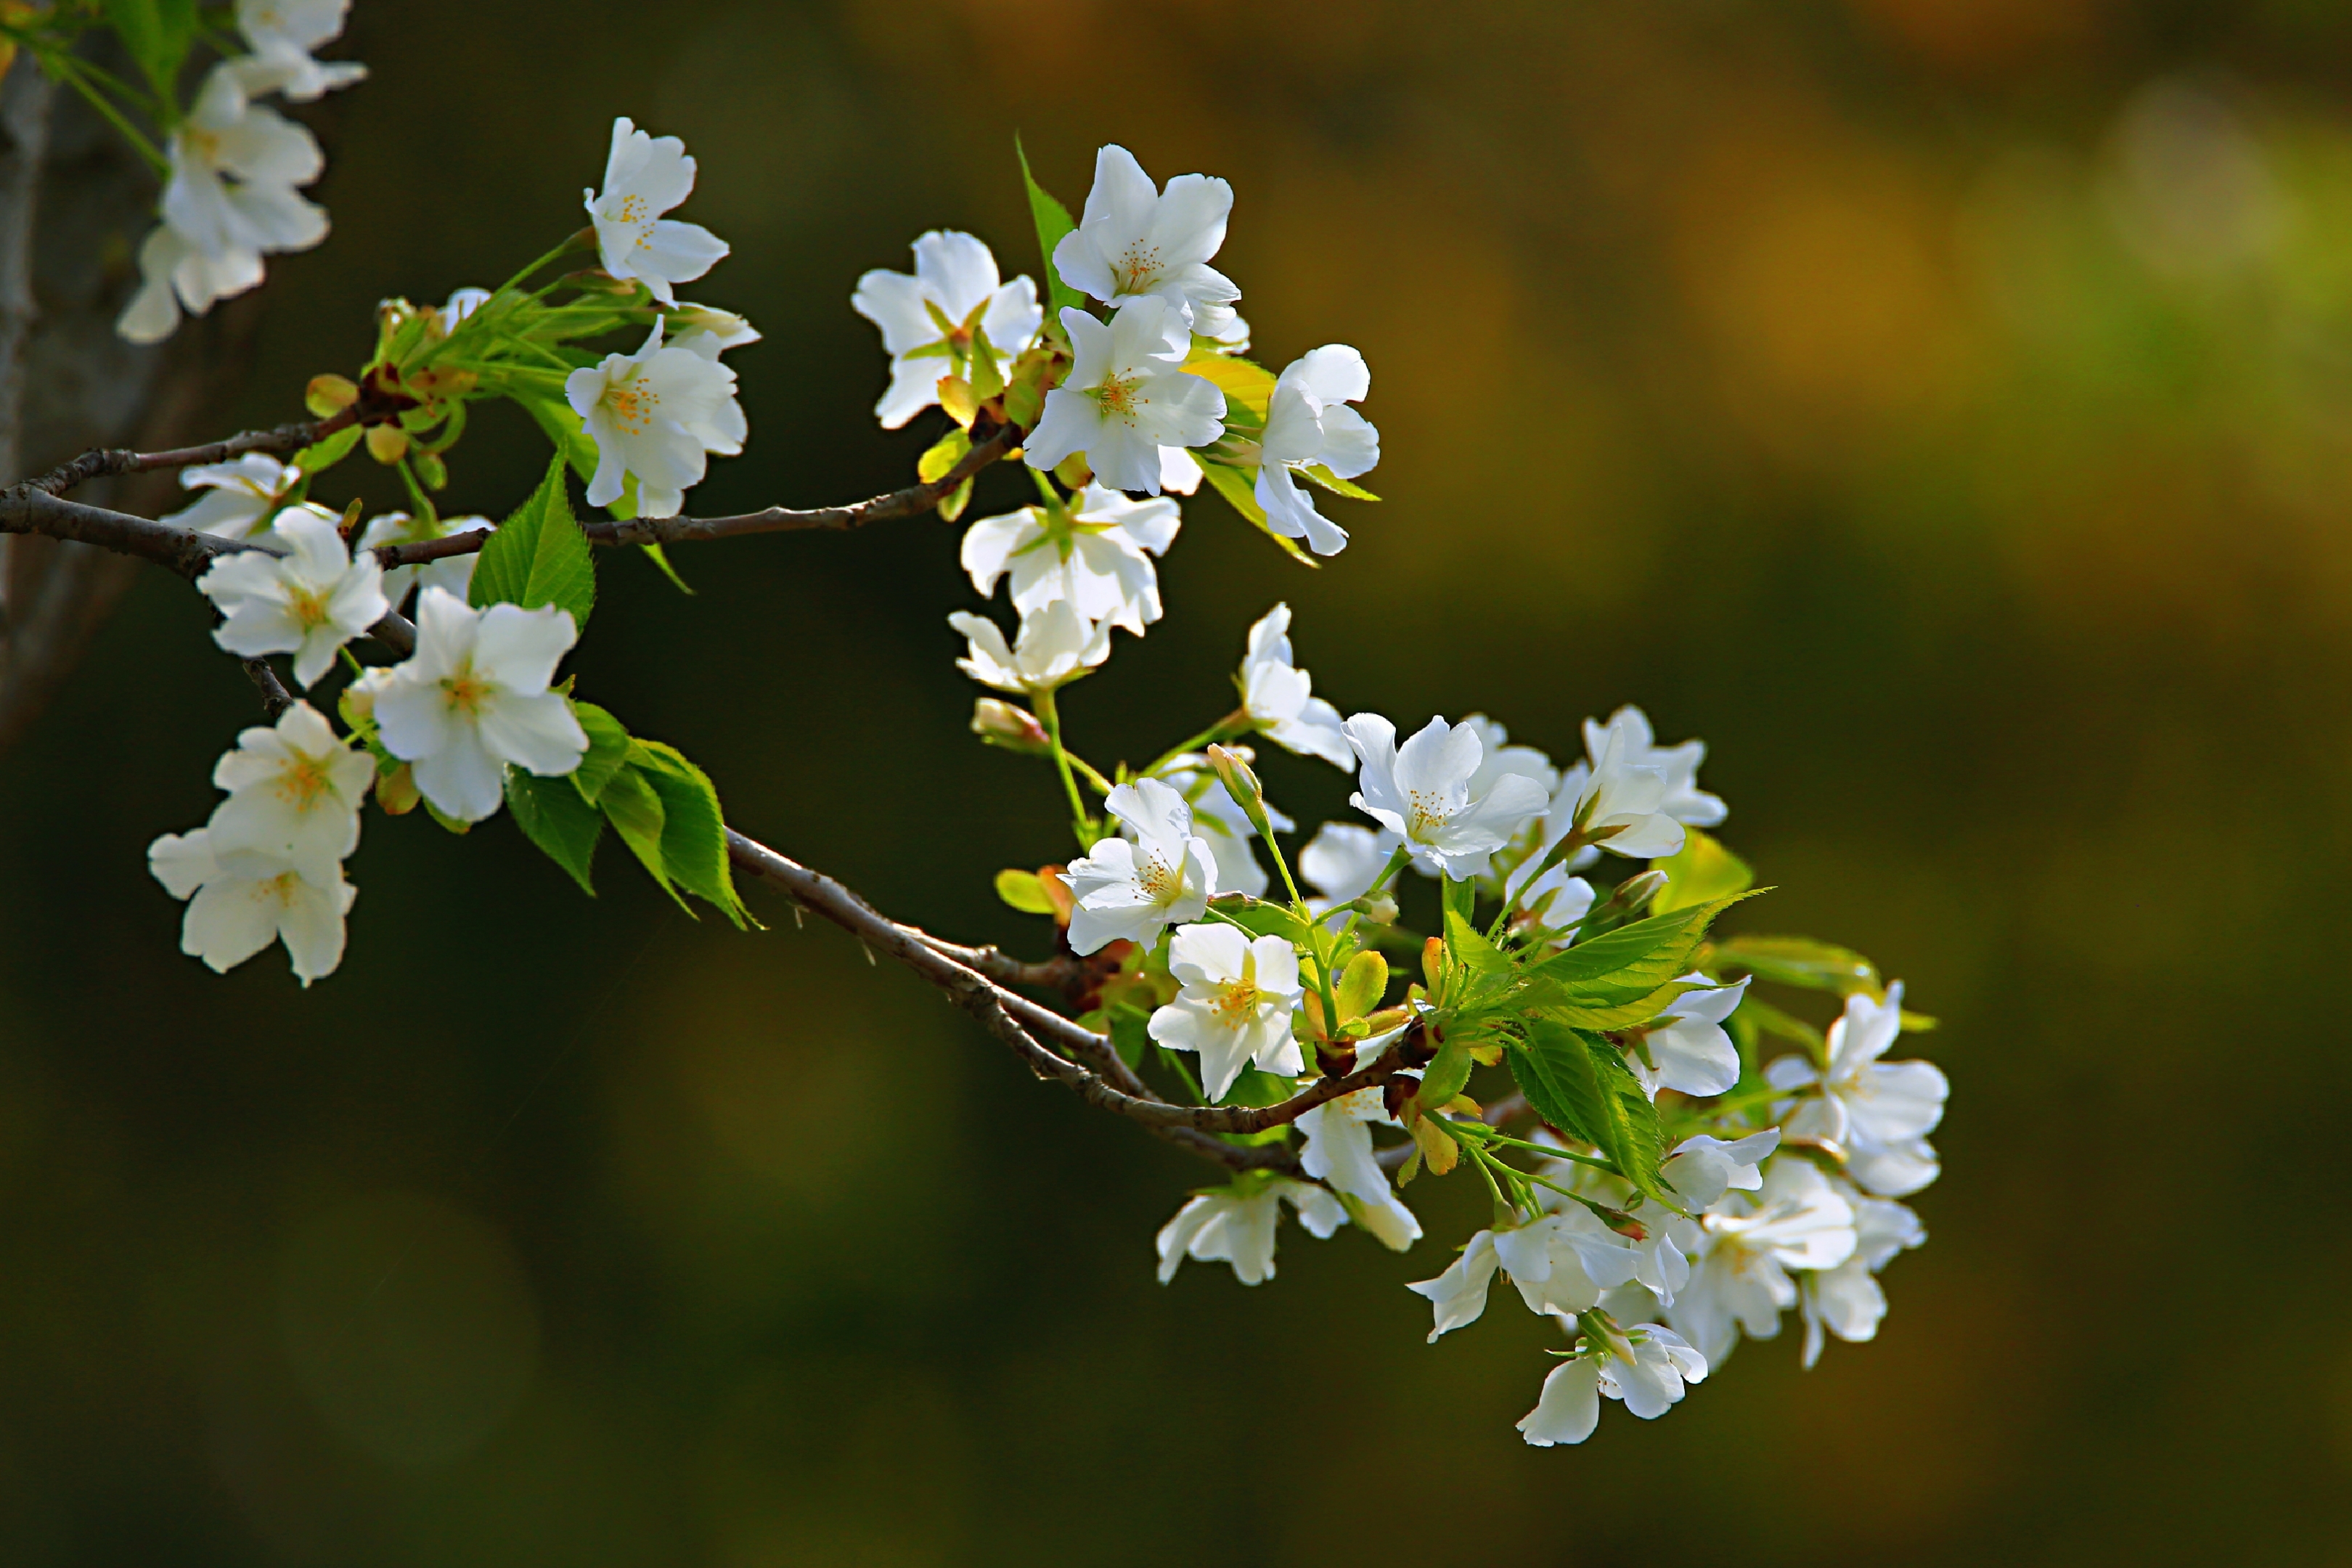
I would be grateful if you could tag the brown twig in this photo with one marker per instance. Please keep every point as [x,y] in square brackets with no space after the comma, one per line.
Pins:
[109,461]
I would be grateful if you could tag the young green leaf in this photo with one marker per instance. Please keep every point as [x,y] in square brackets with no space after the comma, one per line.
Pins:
[1265,919]
[553,815]
[943,455]
[1802,961]
[1054,221]
[157,34]
[1702,871]
[608,748]
[564,429]
[317,458]
[1242,380]
[1580,1009]
[1024,891]
[1635,960]
[629,802]
[693,830]
[1362,984]
[538,556]
[1336,484]
[1580,1084]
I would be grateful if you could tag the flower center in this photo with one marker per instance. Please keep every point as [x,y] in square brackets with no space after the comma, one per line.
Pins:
[1235,1001]
[279,890]
[1119,396]
[631,403]
[1428,811]
[1138,270]
[308,608]
[464,691]
[1160,881]
[634,213]
[302,782]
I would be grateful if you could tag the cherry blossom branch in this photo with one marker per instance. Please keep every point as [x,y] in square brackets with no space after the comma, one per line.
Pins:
[106,462]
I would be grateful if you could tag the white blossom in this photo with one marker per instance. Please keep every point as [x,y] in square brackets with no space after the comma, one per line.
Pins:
[282,33]
[1342,862]
[1135,242]
[1878,1112]
[1618,801]
[1703,1167]
[1683,800]
[709,331]
[1420,793]
[645,176]
[1094,553]
[1127,396]
[294,793]
[1687,1049]
[931,318]
[308,602]
[453,573]
[1279,696]
[1560,1263]
[1235,1006]
[474,698]
[239,494]
[1236,1225]
[1134,891]
[1308,424]
[1847,1300]
[1221,824]
[1497,756]
[655,413]
[1646,1367]
[240,902]
[1700,1169]
[462,302]
[1338,1153]
[1797,1220]
[1055,646]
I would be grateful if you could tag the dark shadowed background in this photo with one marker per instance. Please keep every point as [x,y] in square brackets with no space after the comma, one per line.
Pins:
[1944,407]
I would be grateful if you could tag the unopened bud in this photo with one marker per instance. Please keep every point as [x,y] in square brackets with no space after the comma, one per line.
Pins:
[396,791]
[1001,723]
[387,444]
[596,278]
[1242,784]
[431,471]
[330,394]
[956,397]
[1073,472]
[1635,892]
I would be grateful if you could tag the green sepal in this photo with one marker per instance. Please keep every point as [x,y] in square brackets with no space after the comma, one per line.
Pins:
[538,557]
[553,815]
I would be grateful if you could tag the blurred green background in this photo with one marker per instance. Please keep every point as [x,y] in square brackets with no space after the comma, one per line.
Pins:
[1942,407]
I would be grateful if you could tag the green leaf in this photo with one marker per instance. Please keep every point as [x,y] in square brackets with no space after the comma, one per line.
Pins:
[553,815]
[653,553]
[1580,1084]
[944,455]
[1468,946]
[952,504]
[1263,918]
[317,458]
[1242,380]
[1703,870]
[1235,486]
[1447,1072]
[1024,891]
[1583,1010]
[157,34]
[538,557]
[1802,961]
[694,829]
[1054,221]
[629,802]
[1633,960]
[1129,1027]
[1362,984]
[608,748]
[1336,484]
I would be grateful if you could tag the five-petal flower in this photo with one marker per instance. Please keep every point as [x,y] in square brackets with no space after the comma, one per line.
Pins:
[645,176]
[1421,793]
[308,602]
[1879,1112]
[1126,396]
[1236,1004]
[655,413]
[1135,242]
[1310,424]
[1093,552]
[932,318]
[1136,890]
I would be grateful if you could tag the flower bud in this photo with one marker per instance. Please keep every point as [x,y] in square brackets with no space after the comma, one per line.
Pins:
[1242,784]
[330,394]
[387,444]
[956,397]
[1015,729]
[431,471]
[396,791]
[1635,892]
[1073,472]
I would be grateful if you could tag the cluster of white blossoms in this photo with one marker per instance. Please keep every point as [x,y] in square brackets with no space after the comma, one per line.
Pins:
[237,167]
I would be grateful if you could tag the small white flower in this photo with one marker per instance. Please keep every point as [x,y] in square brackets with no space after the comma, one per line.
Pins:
[173,273]
[1420,793]
[1236,1005]
[1687,1049]
[1797,1220]
[928,319]
[239,494]
[1055,647]
[1095,554]
[1646,1367]
[1878,1112]
[1126,396]
[1847,1300]
[1221,824]
[461,303]
[708,330]
[1562,1263]
[308,602]
[1703,1168]
[474,697]
[239,902]
[1619,799]
[645,176]
[1279,697]
[1683,800]
[282,33]
[1497,757]
[655,413]
[1307,424]
[1236,1225]
[1339,1151]
[1134,242]
[1134,891]
[453,573]
[294,792]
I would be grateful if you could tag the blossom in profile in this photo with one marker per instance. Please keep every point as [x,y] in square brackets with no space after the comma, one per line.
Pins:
[1420,793]
[1094,553]
[1342,862]
[1309,425]
[1645,1366]
[1848,1301]
[709,331]
[1127,396]
[1683,800]
[645,176]
[1560,1263]
[1133,891]
[452,574]
[282,33]
[238,495]
[1687,1049]
[308,602]
[294,793]
[1879,1112]
[655,414]
[1234,1007]
[1135,241]
[1339,1150]
[932,317]
[1055,645]
[1280,699]
[239,901]
[474,699]
[1236,1225]
[1741,1280]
